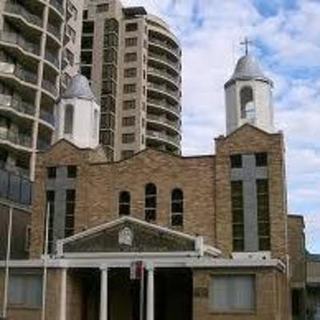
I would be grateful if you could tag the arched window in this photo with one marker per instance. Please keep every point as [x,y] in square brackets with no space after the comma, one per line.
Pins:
[95,123]
[68,119]
[177,207]
[247,103]
[150,208]
[124,203]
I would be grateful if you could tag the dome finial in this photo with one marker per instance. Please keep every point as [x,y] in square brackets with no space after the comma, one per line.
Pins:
[246,43]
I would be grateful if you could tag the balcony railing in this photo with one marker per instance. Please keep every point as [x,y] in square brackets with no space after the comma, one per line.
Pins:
[164,58]
[16,104]
[14,38]
[15,187]
[52,58]
[165,44]
[16,138]
[43,145]
[163,136]
[49,86]
[164,88]
[18,9]
[163,104]
[164,74]
[165,120]
[57,5]
[55,31]
[19,72]
[47,116]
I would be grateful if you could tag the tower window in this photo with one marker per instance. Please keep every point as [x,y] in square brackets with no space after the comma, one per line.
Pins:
[150,208]
[261,159]
[68,119]
[124,203]
[236,161]
[263,214]
[51,172]
[237,215]
[70,208]
[177,207]
[247,103]
[72,171]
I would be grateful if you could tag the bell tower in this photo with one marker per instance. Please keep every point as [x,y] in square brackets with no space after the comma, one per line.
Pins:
[248,95]
[78,114]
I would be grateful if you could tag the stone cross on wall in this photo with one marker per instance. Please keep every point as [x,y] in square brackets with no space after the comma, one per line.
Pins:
[60,185]
[248,174]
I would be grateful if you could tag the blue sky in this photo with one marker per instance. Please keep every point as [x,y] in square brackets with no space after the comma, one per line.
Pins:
[286,34]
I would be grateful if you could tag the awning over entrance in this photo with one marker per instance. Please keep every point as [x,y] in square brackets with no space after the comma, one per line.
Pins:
[127,237]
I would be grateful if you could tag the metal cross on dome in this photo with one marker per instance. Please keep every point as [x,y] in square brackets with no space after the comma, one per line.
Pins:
[246,43]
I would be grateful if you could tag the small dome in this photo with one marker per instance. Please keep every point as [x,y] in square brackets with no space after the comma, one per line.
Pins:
[79,88]
[248,68]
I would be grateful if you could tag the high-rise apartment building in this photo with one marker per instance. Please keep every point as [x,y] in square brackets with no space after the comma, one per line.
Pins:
[39,43]
[133,61]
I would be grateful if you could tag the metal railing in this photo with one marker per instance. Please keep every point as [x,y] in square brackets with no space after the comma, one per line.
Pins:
[16,138]
[57,5]
[165,74]
[52,58]
[15,187]
[14,38]
[49,86]
[47,116]
[18,9]
[165,120]
[163,136]
[166,45]
[165,89]
[163,104]
[55,31]
[25,75]
[163,57]
[17,104]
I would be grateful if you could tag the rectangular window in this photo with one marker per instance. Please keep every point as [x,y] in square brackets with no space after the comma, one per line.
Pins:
[232,293]
[128,121]
[110,55]
[263,214]
[109,87]
[131,42]
[25,290]
[237,215]
[129,88]
[70,208]
[129,104]
[130,73]
[51,206]
[131,27]
[130,57]
[88,27]
[128,138]
[86,57]
[87,42]
[72,171]
[236,161]
[107,138]
[261,159]
[51,172]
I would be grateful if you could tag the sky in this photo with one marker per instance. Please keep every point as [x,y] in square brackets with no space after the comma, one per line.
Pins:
[286,37]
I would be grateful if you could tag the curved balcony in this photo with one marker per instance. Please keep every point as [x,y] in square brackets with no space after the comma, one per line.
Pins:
[54,32]
[53,60]
[57,7]
[164,122]
[164,75]
[161,58]
[164,106]
[164,45]
[47,117]
[15,140]
[163,89]
[14,39]
[163,137]
[28,17]
[17,107]
[50,88]
[19,72]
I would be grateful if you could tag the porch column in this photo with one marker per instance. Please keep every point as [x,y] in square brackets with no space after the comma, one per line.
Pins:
[150,293]
[104,294]
[63,295]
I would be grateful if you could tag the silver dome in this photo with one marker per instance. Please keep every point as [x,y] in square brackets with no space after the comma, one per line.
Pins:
[79,87]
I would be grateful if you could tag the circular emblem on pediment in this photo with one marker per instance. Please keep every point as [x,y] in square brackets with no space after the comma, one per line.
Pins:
[126,237]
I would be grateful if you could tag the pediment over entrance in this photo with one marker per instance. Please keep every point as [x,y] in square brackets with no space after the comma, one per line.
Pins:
[130,235]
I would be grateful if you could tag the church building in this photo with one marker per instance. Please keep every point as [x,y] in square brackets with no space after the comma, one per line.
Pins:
[160,236]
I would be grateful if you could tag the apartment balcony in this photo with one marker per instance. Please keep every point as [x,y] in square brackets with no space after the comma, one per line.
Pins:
[16,140]
[56,32]
[50,88]
[164,75]
[165,45]
[53,59]
[165,122]
[57,6]
[163,59]
[163,89]
[43,145]
[14,39]
[47,117]
[163,137]
[164,106]
[19,10]
[17,106]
